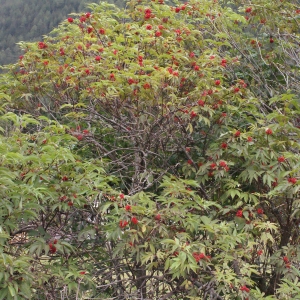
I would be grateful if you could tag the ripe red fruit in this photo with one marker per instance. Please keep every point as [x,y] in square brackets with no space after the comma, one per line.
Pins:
[193,114]
[158,33]
[102,31]
[190,162]
[269,131]
[157,217]
[292,180]
[70,203]
[260,211]
[97,58]
[249,139]
[82,272]
[237,133]
[123,223]
[112,77]
[148,27]
[281,159]
[177,9]
[259,252]
[271,40]
[65,178]
[70,20]
[128,207]
[79,137]
[201,103]
[236,90]
[248,9]
[222,164]
[199,256]
[121,196]
[134,220]
[146,86]
[42,45]
[52,248]
[217,82]
[147,16]
[285,259]
[85,131]
[213,166]
[82,19]
[224,145]
[239,213]
[245,289]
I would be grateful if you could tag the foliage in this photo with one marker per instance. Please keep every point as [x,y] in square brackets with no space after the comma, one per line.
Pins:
[198,133]
[30,20]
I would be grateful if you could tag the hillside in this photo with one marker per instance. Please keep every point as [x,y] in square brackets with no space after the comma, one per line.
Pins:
[29,20]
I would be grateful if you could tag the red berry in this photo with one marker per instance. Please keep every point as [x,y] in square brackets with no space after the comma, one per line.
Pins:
[224,145]
[245,289]
[79,137]
[269,131]
[281,159]
[193,114]
[217,82]
[260,211]
[222,164]
[237,133]
[134,220]
[292,180]
[213,166]
[239,213]
[128,207]
[157,217]
[158,33]
[201,103]
[123,223]
[65,178]
[285,259]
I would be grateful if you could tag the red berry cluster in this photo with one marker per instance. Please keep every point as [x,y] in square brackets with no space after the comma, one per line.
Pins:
[199,256]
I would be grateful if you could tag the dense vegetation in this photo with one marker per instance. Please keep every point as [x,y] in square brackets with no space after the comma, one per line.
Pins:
[153,153]
[30,20]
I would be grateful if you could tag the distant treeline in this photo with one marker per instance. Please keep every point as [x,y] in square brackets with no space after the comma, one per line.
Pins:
[31,19]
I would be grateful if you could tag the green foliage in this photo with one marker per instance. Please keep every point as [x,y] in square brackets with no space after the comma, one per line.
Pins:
[180,111]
